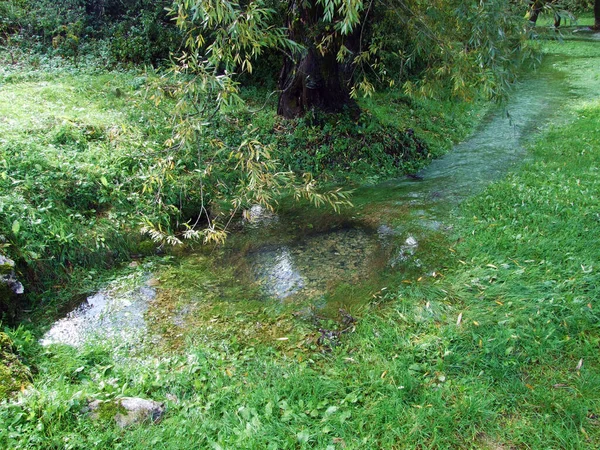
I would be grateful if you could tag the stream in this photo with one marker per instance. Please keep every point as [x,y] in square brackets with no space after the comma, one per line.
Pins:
[295,256]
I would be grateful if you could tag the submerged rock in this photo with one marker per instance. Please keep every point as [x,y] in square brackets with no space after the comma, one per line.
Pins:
[405,252]
[127,411]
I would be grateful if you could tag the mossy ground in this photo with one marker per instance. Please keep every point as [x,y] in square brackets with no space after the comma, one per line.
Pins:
[14,375]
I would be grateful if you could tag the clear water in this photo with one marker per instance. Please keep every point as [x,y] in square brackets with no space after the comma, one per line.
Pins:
[310,266]
[115,314]
[288,259]
[313,263]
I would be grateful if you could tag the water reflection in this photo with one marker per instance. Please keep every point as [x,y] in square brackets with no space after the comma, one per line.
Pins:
[277,274]
[311,265]
[117,316]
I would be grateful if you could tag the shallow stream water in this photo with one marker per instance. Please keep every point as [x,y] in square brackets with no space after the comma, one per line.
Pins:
[314,262]
[289,258]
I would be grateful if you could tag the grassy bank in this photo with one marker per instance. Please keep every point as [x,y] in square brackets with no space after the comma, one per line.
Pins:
[83,162]
[500,351]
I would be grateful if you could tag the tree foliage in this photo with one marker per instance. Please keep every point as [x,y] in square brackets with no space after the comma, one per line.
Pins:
[447,49]
[223,39]
[439,48]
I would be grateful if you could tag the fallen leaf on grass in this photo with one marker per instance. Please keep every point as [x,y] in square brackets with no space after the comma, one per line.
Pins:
[339,441]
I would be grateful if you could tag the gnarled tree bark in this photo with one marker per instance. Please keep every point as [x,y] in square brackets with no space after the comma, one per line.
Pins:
[314,79]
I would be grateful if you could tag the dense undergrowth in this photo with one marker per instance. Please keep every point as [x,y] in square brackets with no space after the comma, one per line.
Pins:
[499,352]
[113,32]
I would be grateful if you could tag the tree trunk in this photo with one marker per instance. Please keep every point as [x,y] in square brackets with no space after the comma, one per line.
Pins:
[313,80]
[596,26]
[536,9]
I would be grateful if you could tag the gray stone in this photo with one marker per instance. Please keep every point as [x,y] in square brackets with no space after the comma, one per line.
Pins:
[6,265]
[8,280]
[128,411]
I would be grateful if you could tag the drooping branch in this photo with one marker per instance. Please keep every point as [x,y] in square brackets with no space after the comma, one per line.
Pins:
[319,77]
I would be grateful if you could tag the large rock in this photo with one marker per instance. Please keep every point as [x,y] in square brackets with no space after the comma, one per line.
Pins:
[6,265]
[128,411]
[8,281]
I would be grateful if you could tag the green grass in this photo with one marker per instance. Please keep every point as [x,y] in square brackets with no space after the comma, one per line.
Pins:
[439,123]
[499,352]
[71,177]
[83,162]
[530,281]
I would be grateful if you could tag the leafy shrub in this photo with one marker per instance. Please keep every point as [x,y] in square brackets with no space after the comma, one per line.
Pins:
[12,16]
[135,31]
[335,147]
[146,38]
[343,146]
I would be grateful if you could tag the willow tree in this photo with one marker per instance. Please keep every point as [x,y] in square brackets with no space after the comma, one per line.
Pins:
[320,39]
[320,76]
[223,39]
[537,7]
[334,51]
